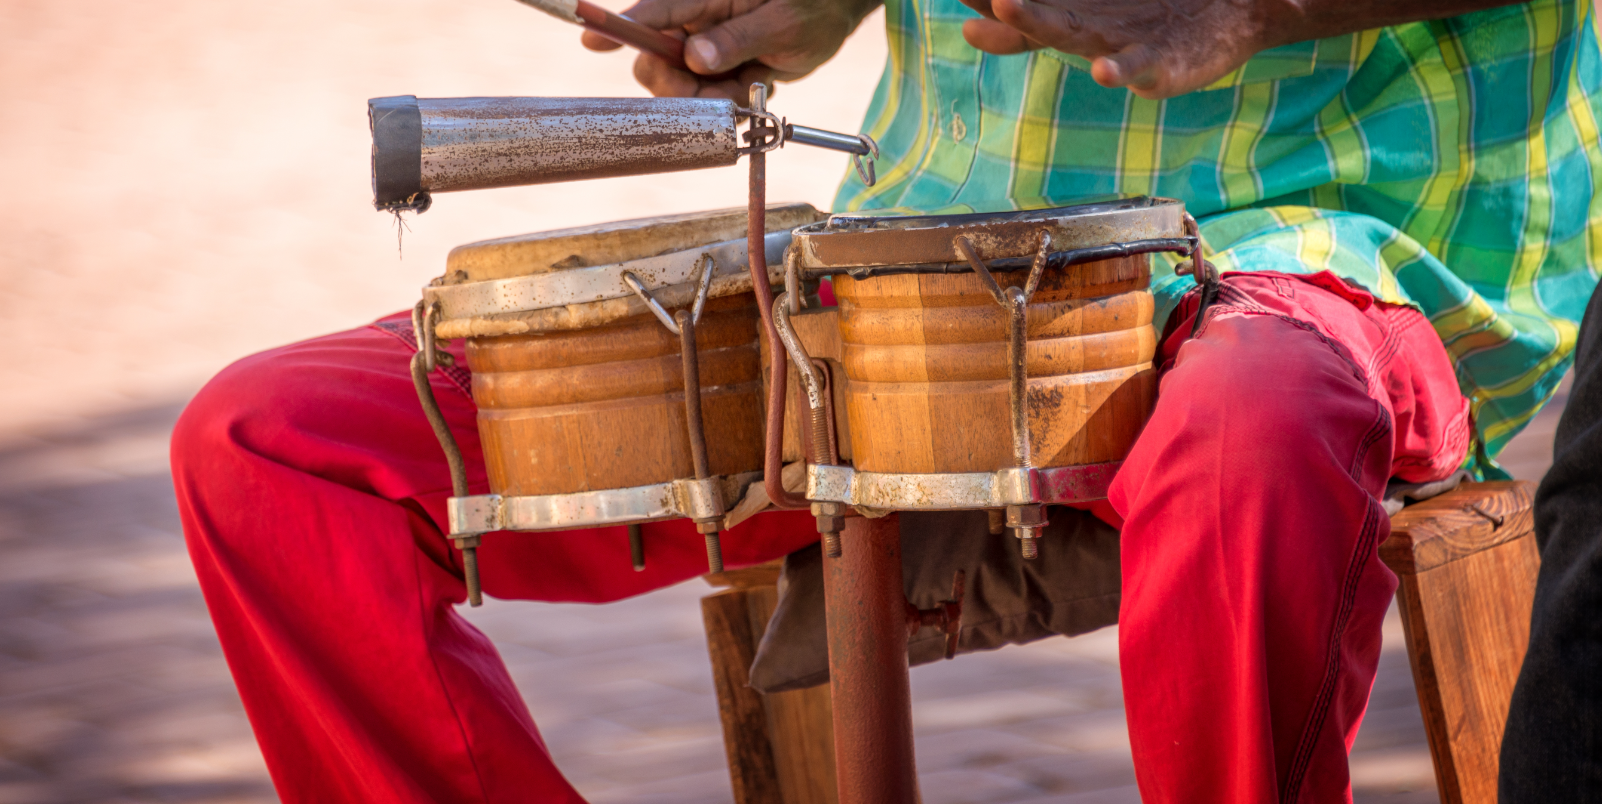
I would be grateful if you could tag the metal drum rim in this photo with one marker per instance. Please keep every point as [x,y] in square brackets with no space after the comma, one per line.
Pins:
[826,246]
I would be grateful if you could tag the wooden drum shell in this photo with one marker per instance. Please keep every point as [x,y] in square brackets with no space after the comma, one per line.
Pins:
[925,357]
[584,410]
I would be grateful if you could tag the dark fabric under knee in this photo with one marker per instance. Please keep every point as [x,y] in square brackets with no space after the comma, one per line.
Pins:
[1551,741]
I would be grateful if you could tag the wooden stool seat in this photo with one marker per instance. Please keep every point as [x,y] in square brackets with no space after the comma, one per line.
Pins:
[1467,567]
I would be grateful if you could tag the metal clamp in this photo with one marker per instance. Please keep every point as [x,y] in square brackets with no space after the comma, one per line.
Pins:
[661,273]
[696,499]
[1026,519]
[1203,273]
[962,491]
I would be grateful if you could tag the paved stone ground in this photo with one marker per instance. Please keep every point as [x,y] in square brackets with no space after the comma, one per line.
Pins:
[113,687]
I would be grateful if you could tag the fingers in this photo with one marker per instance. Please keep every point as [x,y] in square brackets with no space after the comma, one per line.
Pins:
[595,41]
[1135,66]
[768,30]
[661,15]
[982,7]
[664,15]
[996,38]
[664,81]
[1051,25]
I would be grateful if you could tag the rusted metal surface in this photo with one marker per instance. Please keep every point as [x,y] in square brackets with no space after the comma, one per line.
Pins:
[872,709]
[424,361]
[707,525]
[478,143]
[757,265]
[946,616]
[848,241]
[961,491]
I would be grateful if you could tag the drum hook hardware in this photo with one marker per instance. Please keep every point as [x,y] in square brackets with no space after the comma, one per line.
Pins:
[777,131]
[793,283]
[704,283]
[1202,271]
[683,324]
[829,514]
[866,173]
[424,362]
[1026,521]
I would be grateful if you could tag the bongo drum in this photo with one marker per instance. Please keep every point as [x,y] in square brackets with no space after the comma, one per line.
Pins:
[992,360]
[576,340]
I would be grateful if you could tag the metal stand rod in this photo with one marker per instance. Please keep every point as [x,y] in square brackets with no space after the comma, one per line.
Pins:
[866,617]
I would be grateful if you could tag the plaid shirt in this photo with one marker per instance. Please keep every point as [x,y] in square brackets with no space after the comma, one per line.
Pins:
[1452,165]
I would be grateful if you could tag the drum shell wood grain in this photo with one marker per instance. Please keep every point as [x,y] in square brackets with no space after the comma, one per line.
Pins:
[602,408]
[926,367]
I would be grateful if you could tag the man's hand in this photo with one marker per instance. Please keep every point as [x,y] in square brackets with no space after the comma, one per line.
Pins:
[1163,48]
[1157,49]
[762,40]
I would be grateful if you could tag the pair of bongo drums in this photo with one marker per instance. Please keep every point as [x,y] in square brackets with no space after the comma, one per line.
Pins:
[993,360]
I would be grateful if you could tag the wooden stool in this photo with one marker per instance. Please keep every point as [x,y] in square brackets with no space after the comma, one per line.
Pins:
[780,746]
[1467,567]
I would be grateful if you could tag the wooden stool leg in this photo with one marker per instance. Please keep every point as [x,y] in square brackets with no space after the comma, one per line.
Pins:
[1467,568]
[780,747]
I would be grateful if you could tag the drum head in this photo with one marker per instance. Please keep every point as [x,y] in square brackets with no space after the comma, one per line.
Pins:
[571,278]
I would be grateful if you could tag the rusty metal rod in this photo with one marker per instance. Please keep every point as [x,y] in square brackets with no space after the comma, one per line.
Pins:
[693,426]
[1018,422]
[637,548]
[469,545]
[757,264]
[871,706]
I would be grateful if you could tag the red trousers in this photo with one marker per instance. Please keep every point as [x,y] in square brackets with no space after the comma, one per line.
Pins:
[312,493]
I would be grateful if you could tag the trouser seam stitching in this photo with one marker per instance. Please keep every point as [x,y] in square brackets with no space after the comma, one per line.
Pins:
[1318,714]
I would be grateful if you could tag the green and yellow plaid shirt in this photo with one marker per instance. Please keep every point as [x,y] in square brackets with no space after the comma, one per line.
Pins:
[1453,165]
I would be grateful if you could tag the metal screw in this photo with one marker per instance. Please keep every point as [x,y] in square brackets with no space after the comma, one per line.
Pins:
[831,522]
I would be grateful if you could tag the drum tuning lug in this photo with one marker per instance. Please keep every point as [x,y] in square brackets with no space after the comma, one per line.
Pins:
[995,524]
[637,548]
[469,545]
[715,552]
[1027,522]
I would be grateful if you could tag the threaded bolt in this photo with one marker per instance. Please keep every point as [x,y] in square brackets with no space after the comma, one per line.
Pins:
[832,545]
[1027,548]
[715,555]
[821,436]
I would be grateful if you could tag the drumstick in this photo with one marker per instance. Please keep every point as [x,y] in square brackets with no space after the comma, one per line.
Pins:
[622,30]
